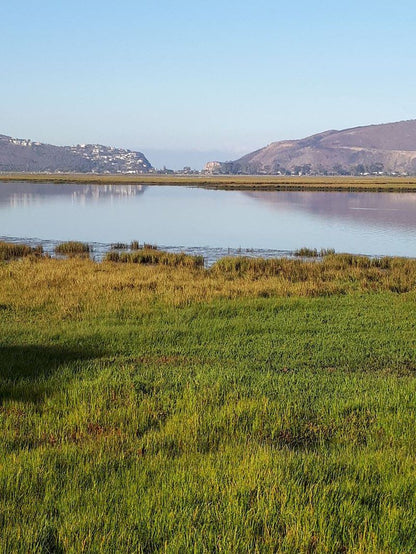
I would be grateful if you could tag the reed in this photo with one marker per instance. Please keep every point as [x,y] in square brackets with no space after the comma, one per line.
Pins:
[11,251]
[236,276]
[135,245]
[152,256]
[71,248]
[313,252]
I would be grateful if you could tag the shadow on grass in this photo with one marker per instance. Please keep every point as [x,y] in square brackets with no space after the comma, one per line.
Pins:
[25,370]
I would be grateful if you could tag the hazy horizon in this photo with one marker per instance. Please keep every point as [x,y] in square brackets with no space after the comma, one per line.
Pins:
[195,159]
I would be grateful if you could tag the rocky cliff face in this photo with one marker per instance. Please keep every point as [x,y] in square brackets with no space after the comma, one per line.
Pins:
[25,155]
[375,149]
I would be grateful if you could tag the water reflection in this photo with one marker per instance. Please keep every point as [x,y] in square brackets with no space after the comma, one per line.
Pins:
[23,194]
[211,220]
[382,209]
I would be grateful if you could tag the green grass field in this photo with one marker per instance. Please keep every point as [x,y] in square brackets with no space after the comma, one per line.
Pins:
[255,407]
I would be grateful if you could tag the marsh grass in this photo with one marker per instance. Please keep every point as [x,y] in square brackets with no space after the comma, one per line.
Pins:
[335,273]
[72,248]
[313,252]
[247,276]
[11,251]
[119,246]
[152,256]
[135,245]
[259,406]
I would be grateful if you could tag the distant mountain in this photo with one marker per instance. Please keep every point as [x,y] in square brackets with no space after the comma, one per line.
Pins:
[388,148]
[25,155]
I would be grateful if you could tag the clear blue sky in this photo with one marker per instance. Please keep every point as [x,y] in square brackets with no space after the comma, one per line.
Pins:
[227,76]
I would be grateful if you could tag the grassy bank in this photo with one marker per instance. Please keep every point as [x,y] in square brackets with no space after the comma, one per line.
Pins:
[231,182]
[260,406]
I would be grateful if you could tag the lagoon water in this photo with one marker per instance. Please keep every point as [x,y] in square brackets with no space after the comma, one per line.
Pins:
[213,222]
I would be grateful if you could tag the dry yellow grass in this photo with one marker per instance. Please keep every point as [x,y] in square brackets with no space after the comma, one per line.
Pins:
[66,288]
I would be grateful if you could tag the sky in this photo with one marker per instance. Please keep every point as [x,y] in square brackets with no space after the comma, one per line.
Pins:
[192,81]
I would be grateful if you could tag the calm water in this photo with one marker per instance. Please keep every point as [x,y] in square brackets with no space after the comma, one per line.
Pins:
[210,221]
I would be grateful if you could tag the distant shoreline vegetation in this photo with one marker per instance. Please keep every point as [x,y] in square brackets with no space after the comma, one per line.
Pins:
[230,182]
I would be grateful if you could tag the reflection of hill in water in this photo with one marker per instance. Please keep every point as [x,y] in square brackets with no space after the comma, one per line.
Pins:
[364,208]
[18,194]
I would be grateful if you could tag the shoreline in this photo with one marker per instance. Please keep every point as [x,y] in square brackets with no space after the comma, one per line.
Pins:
[211,255]
[229,182]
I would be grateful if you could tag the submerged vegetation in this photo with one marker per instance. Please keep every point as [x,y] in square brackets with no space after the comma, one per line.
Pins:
[256,406]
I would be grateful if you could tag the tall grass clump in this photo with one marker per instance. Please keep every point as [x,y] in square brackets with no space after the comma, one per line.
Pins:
[11,251]
[151,256]
[305,252]
[72,248]
[135,245]
[119,246]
